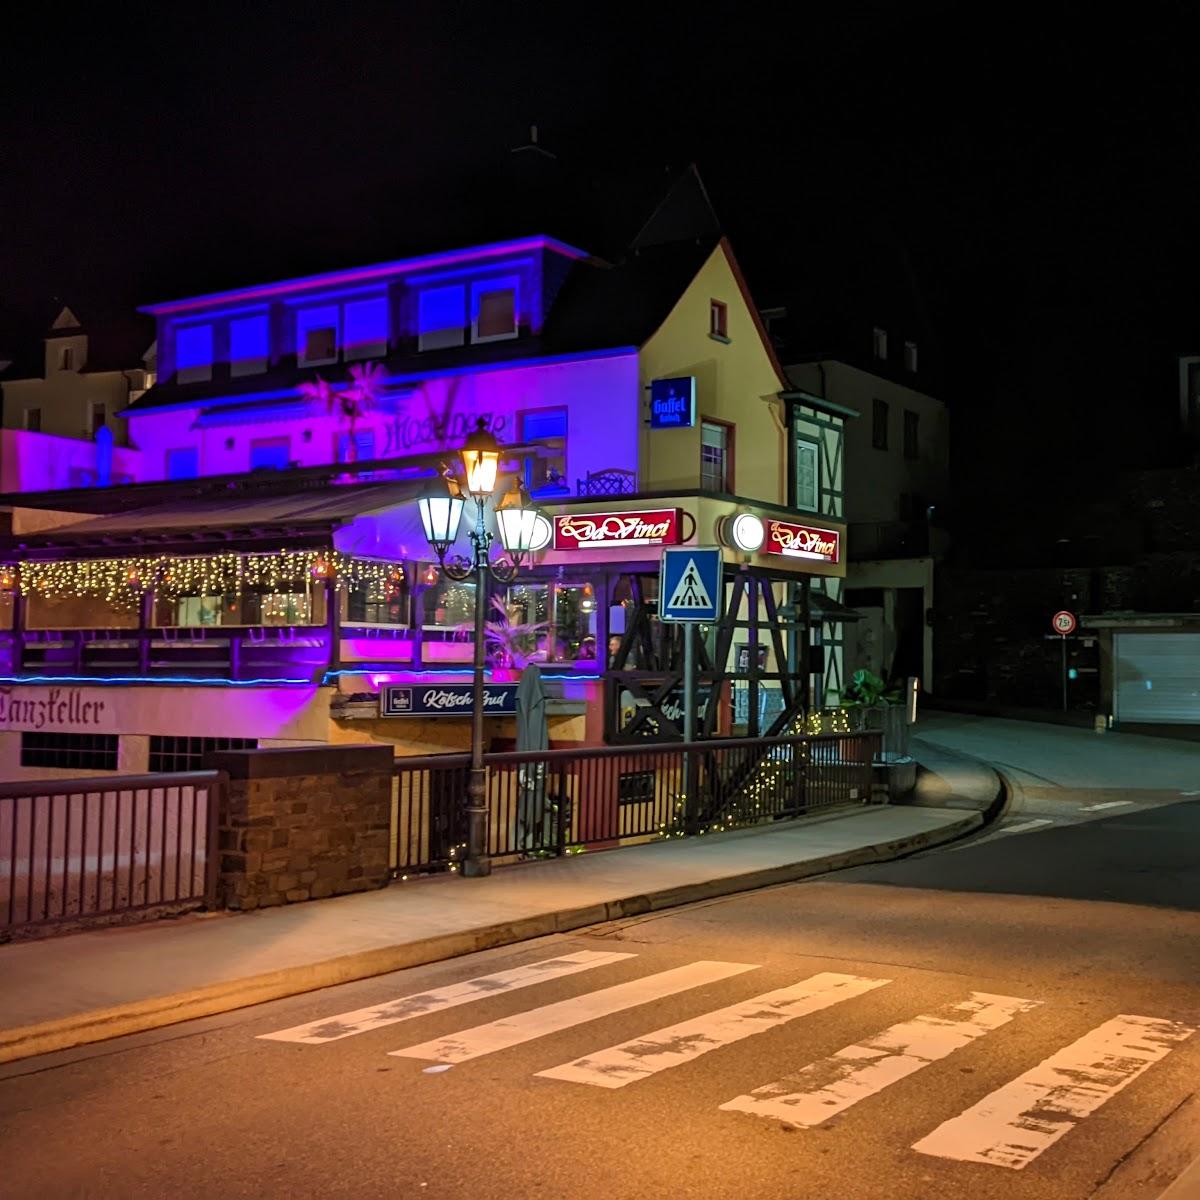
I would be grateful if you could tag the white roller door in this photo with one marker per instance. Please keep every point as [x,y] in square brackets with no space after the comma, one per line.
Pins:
[1157,677]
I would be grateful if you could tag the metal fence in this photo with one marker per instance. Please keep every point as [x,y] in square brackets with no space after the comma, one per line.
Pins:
[77,849]
[553,802]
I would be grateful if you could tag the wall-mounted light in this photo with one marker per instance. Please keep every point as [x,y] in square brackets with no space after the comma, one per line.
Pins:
[743,531]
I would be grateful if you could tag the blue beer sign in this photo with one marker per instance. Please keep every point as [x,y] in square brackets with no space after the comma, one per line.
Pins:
[445,700]
[673,403]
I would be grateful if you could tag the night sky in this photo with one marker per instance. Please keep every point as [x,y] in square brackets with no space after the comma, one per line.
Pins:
[1027,183]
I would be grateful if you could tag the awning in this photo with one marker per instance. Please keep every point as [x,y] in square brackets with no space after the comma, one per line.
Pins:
[826,610]
[315,510]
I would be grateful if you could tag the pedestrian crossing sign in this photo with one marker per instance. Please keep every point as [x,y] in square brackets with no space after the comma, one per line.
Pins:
[689,584]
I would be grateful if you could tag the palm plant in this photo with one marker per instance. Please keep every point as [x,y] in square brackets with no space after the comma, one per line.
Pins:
[355,401]
[512,643]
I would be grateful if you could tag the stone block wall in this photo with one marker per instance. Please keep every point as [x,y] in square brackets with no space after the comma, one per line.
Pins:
[303,824]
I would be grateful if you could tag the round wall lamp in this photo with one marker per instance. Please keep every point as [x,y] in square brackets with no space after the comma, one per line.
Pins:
[743,531]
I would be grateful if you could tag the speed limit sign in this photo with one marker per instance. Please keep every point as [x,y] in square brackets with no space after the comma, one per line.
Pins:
[1063,623]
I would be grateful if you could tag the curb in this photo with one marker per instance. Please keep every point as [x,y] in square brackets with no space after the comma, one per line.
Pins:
[102,1024]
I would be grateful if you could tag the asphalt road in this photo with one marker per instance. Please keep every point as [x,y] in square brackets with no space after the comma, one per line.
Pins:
[984,999]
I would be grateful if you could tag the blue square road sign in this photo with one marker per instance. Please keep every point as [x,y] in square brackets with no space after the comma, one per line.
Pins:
[689,584]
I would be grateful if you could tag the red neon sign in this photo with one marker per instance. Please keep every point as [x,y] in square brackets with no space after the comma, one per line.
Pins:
[599,531]
[803,541]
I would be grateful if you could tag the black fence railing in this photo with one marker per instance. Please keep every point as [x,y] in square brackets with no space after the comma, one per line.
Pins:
[553,802]
[78,849]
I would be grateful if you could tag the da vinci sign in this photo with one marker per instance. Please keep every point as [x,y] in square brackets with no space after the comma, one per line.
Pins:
[600,531]
[803,541]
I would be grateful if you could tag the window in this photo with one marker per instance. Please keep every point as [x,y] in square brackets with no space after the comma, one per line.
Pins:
[494,310]
[911,446]
[808,487]
[448,604]
[183,463]
[546,472]
[378,601]
[249,351]
[715,464]
[193,353]
[880,342]
[879,424]
[272,453]
[33,420]
[316,335]
[66,359]
[441,317]
[99,419]
[549,622]
[76,751]
[910,356]
[718,319]
[189,753]
[361,449]
[365,328]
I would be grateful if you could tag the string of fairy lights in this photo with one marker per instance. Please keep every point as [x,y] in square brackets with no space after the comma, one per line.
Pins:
[121,582]
[758,798]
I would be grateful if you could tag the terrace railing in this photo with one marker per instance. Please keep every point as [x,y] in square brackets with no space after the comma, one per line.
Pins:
[72,850]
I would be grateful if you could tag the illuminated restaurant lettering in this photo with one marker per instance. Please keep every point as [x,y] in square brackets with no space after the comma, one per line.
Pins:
[803,541]
[594,531]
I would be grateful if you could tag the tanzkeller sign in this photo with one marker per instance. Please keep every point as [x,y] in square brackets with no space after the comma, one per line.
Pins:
[803,541]
[36,709]
[601,531]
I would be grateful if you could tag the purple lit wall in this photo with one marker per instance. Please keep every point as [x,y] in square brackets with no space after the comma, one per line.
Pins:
[418,417]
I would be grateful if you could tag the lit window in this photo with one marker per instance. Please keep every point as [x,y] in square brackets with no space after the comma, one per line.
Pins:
[808,492]
[193,353]
[714,457]
[183,463]
[33,420]
[269,453]
[494,310]
[546,472]
[880,342]
[316,335]
[248,345]
[441,317]
[718,319]
[910,356]
[366,328]
[879,424]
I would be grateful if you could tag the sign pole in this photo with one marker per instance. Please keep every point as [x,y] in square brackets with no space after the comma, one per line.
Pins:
[692,808]
[1063,639]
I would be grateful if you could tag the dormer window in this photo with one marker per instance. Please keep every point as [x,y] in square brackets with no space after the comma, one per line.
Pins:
[317,335]
[441,317]
[193,353]
[248,345]
[494,310]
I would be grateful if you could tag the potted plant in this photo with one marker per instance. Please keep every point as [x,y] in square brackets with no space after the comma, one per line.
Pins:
[880,709]
[512,645]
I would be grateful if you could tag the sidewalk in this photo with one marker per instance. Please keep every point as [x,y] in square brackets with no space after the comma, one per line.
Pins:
[86,987]
[1057,756]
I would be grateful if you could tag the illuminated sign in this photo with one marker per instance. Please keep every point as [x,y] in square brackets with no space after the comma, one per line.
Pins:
[744,532]
[673,403]
[803,541]
[446,700]
[599,531]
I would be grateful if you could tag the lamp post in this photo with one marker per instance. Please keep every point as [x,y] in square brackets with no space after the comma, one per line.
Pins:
[520,526]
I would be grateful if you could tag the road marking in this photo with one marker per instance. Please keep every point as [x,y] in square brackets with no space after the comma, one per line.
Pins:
[538,1022]
[1013,1125]
[828,1087]
[1023,827]
[1106,804]
[330,1029]
[644,1056]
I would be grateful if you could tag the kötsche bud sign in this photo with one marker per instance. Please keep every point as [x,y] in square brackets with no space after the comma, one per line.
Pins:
[445,700]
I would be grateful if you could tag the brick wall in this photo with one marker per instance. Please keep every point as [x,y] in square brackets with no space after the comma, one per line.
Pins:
[302,824]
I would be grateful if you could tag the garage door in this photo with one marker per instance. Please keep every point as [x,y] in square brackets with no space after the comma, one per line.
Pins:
[1157,677]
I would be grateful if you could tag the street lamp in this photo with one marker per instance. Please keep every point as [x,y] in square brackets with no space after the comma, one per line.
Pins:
[521,529]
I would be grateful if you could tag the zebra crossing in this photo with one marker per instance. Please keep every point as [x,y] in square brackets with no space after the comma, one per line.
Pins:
[1008,1127]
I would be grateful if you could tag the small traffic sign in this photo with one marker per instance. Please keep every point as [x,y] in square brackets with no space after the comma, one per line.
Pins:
[1063,623]
[689,584]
